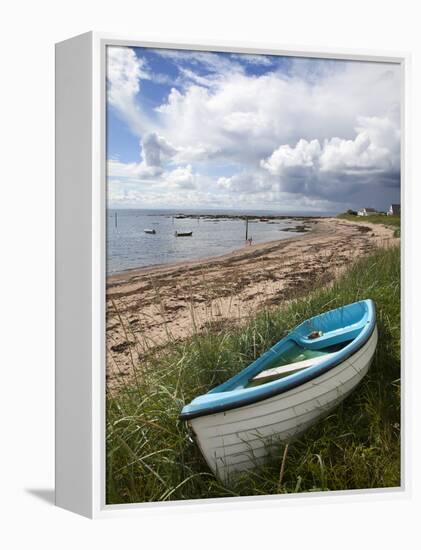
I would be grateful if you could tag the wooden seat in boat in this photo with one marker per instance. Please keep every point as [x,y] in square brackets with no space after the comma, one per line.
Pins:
[291,367]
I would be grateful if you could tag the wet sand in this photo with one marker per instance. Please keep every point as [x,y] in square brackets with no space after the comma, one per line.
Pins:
[146,307]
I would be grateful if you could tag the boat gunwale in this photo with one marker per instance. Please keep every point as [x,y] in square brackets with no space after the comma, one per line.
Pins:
[311,374]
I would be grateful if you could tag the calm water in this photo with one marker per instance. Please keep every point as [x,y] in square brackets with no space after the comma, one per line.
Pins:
[128,246]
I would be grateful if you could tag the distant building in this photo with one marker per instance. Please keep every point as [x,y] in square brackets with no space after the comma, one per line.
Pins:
[367,211]
[394,210]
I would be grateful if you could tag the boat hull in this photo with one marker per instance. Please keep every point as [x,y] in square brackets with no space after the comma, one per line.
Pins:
[239,439]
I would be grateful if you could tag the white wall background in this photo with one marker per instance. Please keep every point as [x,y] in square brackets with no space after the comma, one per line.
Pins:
[29,30]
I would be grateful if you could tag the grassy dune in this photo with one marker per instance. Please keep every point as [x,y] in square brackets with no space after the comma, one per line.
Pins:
[393,221]
[150,456]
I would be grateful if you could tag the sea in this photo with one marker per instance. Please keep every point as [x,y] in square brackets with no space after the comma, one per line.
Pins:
[129,247]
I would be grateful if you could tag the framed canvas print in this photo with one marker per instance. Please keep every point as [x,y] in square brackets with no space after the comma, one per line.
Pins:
[229,229]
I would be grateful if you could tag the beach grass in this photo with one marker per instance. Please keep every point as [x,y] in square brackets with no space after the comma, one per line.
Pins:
[151,456]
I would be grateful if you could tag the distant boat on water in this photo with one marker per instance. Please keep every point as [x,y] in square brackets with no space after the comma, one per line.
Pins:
[151,231]
[183,234]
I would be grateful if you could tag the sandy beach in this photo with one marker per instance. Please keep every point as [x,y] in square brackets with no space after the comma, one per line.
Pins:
[147,307]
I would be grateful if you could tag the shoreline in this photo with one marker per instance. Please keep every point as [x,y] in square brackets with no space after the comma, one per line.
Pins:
[313,220]
[122,275]
[170,302]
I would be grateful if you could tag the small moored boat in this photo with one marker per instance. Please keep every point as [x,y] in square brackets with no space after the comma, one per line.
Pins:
[150,231]
[305,375]
[185,234]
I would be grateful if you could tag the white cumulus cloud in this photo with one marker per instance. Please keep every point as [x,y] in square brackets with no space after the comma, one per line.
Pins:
[181,177]
[375,148]
[305,153]
[124,73]
[313,167]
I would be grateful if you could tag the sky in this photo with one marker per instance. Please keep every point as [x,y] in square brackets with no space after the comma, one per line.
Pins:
[207,130]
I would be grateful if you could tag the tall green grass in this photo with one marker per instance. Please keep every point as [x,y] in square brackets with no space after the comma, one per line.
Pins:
[151,457]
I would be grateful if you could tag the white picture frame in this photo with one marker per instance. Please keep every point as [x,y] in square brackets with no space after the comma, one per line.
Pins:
[80,272]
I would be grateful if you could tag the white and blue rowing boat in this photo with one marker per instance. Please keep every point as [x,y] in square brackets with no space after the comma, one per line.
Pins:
[303,377]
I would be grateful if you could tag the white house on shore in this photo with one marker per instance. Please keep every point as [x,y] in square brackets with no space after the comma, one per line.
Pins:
[367,211]
[394,210]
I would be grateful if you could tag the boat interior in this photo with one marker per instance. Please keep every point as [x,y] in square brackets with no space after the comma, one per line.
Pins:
[293,359]
[308,345]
